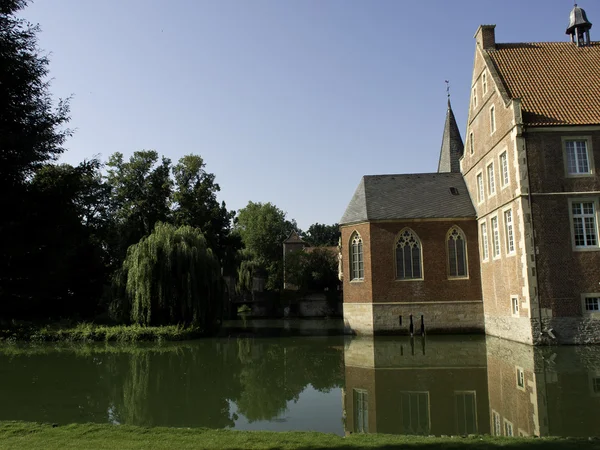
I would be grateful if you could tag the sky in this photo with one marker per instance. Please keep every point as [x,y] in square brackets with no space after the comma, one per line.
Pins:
[288,101]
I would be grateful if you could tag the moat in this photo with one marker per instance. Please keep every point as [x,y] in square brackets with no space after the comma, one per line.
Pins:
[430,386]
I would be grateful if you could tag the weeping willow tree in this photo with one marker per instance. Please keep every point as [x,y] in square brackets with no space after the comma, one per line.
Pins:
[171,276]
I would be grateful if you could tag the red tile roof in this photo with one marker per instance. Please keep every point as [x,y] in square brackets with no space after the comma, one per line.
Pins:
[557,82]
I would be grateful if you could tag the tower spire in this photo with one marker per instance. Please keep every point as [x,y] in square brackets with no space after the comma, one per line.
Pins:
[579,27]
[452,144]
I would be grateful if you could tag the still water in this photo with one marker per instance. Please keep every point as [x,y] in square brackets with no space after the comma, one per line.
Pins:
[438,385]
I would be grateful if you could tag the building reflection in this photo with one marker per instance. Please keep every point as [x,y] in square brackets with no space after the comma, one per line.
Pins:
[458,386]
[416,386]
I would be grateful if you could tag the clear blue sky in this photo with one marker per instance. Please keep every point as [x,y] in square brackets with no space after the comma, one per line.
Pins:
[287,101]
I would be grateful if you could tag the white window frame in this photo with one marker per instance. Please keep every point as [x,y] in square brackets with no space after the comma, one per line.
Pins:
[492,119]
[491,179]
[595,216]
[520,378]
[484,82]
[462,235]
[471,143]
[591,314]
[514,305]
[485,249]
[480,187]
[509,232]
[589,156]
[496,424]
[474,97]
[504,172]
[495,238]
[508,425]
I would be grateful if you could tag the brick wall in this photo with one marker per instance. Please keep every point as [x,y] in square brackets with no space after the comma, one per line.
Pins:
[356,291]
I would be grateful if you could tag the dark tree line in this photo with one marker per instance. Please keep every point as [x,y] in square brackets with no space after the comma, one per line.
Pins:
[81,241]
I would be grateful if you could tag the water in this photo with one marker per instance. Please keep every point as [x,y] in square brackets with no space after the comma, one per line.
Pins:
[440,385]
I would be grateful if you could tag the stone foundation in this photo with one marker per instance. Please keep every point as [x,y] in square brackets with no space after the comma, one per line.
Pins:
[512,328]
[394,318]
[569,330]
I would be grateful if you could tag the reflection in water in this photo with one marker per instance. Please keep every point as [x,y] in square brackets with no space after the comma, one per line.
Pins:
[435,385]
[460,386]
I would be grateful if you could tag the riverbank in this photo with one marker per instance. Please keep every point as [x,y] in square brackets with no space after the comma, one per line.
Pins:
[89,332]
[25,435]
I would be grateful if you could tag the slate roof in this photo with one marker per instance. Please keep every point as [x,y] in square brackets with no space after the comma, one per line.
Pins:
[452,145]
[409,196]
[558,83]
[294,238]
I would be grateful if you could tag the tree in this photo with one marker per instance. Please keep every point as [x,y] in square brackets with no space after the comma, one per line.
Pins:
[31,132]
[31,135]
[140,191]
[322,235]
[263,227]
[171,276]
[196,203]
[314,270]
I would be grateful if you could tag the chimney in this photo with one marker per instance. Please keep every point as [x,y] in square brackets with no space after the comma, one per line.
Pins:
[486,37]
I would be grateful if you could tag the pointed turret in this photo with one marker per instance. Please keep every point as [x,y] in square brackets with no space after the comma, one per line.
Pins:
[452,145]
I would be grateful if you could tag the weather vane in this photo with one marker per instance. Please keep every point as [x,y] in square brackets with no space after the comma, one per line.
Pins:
[447,87]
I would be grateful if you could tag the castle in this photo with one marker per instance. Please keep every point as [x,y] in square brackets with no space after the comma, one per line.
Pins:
[503,238]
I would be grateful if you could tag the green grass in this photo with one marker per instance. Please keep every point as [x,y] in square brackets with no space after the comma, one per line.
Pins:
[89,332]
[23,435]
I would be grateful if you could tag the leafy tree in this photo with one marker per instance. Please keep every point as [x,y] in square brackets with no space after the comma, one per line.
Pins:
[140,191]
[171,276]
[263,227]
[322,235]
[314,270]
[31,134]
[62,262]
[196,202]
[31,128]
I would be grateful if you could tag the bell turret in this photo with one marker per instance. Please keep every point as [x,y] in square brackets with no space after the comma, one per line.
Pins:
[579,27]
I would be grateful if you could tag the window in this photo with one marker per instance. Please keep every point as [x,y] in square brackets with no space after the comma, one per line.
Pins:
[474,98]
[520,378]
[595,384]
[497,428]
[408,256]
[457,253]
[415,413]
[471,146]
[514,300]
[508,428]
[484,82]
[585,233]
[515,305]
[357,270]
[576,156]
[466,412]
[491,180]
[508,232]
[361,411]
[484,242]
[495,238]
[493,119]
[504,169]
[591,304]
[480,193]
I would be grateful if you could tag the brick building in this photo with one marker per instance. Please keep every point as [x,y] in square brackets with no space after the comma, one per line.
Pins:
[519,250]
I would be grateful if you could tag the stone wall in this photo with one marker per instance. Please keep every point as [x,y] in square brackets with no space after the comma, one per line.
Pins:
[512,328]
[394,318]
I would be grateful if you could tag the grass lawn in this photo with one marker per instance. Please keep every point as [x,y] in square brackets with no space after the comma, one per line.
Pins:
[24,435]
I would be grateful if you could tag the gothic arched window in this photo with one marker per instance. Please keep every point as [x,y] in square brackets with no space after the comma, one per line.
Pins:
[408,256]
[457,253]
[357,271]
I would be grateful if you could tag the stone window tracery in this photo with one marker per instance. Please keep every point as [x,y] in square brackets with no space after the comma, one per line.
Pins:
[408,256]
[457,253]
[357,271]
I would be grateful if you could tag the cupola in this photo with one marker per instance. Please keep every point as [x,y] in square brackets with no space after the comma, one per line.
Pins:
[579,27]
